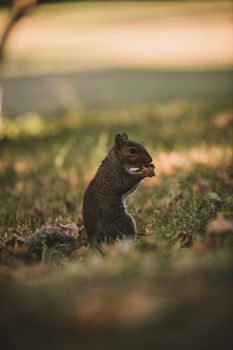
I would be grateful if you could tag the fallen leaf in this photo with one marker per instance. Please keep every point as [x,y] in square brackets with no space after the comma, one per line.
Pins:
[222,120]
[202,186]
[204,245]
[19,252]
[220,225]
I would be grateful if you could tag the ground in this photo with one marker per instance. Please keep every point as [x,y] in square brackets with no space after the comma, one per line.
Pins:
[172,288]
[173,284]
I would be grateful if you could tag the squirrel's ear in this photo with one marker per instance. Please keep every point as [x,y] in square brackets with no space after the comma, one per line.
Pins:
[124,136]
[118,141]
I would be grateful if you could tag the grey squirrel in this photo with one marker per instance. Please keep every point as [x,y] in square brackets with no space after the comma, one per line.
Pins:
[104,213]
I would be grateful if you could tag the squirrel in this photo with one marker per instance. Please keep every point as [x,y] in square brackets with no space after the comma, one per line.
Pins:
[105,216]
[104,213]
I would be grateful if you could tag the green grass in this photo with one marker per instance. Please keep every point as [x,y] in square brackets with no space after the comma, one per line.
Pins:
[172,289]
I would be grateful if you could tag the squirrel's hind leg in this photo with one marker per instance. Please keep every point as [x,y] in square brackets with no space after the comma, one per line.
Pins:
[126,227]
[122,227]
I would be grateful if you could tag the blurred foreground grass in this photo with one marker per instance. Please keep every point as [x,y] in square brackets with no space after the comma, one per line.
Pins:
[173,289]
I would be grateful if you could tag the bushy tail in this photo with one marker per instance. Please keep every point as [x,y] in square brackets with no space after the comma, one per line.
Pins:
[62,238]
[52,237]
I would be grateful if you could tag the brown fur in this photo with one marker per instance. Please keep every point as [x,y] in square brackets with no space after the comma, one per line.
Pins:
[104,213]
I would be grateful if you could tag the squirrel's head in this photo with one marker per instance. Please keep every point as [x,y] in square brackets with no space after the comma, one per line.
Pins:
[131,153]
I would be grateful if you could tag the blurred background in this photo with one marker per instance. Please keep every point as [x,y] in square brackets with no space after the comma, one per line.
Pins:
[72,76]
[60,56]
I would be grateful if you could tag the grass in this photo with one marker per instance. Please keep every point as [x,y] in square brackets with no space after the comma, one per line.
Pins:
[173,287]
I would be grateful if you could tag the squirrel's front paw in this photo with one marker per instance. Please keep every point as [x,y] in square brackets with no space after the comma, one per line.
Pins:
[148,170]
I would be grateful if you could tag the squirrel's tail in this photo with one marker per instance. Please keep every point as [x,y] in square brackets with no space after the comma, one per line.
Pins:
[59,238]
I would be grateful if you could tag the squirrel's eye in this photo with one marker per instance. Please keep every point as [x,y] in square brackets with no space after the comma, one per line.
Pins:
[133,150]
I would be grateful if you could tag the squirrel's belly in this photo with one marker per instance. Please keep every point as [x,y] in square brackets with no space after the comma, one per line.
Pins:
[124,196]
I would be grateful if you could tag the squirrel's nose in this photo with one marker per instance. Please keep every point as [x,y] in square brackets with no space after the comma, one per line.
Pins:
[149,160]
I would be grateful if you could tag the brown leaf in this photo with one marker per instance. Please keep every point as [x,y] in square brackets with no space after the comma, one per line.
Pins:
[220,225]
[222,120]
[202,186]
[19,252]
[204,245]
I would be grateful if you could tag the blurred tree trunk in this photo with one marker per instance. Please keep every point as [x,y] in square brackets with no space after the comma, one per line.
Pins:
[20,9]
